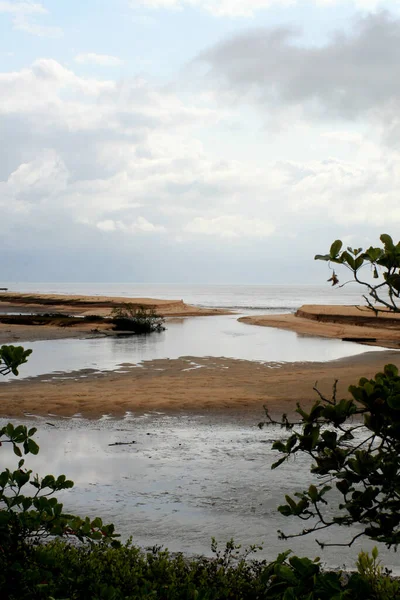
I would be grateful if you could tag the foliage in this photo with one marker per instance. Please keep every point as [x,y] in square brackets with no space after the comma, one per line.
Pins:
[355,448]
[60,570]
[27,517]
[386,259]
[28,514]
[382,586]
[12,357]
[138,319]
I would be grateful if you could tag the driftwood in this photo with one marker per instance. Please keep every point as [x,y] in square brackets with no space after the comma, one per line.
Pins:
[123,443]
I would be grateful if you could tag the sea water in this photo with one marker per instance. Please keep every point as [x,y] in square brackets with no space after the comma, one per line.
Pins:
[281,298]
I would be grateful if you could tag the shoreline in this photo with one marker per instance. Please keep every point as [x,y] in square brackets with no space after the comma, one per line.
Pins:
[188,384]
[81,306]
[348,323]
[192,384]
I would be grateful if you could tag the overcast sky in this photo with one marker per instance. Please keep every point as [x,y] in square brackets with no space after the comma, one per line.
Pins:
[196,141]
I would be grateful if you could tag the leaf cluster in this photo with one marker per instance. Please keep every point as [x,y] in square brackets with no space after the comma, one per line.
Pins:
[354,445]
[384,259]
[12,357]
[61,571]
[28,508]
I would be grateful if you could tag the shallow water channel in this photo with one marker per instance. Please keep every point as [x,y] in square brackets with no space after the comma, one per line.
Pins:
[220,336]
[186,478]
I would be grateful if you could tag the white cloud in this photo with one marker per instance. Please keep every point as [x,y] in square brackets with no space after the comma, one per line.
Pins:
[26,8]
[44,176]
[353,75]
[103,60]
[244,8]
[88,161]
[139,225]
[220,8]
[231,226]
[107,225]
[22,12]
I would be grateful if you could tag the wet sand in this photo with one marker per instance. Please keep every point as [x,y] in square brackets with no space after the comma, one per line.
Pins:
[188,384]
[341,322]
[100,305]
[82,306]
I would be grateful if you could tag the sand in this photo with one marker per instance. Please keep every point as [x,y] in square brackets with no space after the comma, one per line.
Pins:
[82,306]
[189,384]
[341,322]
[199,384]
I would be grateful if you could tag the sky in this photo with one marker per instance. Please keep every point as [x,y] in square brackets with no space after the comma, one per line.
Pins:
[195,141]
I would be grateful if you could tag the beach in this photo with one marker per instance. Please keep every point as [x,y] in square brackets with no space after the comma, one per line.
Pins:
[189,383]
[355,323]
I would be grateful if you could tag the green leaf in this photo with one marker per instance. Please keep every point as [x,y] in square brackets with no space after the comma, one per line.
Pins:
[276,464]
[394,402]
[335,248]
[33,447]
[17,451]
[387,240]
[325,257]
[347,258]
[358,263]
[391,370]
[313,493]
[285,510]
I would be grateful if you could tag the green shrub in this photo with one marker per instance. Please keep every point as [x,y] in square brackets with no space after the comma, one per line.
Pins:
[138,319]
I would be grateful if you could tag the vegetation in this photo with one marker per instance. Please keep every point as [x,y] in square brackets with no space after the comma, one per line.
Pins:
[30,516]
[138,319]
[355,448]
[57,570]
[55,319]
[383,262]
[11,358]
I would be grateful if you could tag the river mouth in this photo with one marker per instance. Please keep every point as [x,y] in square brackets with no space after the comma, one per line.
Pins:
[216,336]
[185,479]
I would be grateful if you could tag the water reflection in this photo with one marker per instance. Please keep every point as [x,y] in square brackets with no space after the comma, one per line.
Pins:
[186,478]
[201,336]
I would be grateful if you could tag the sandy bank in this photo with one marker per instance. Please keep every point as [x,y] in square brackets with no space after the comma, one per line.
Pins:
[82,306]
[101,305]
[189,384]
[342,322]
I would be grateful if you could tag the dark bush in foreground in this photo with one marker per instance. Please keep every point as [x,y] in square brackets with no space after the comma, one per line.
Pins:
[138,319]
[58,570]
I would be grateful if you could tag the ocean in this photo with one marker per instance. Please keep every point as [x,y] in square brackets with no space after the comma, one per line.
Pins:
[282,298]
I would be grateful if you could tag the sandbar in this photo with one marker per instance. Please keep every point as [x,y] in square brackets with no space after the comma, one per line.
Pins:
[188,384]
[80,306]
[352,323]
